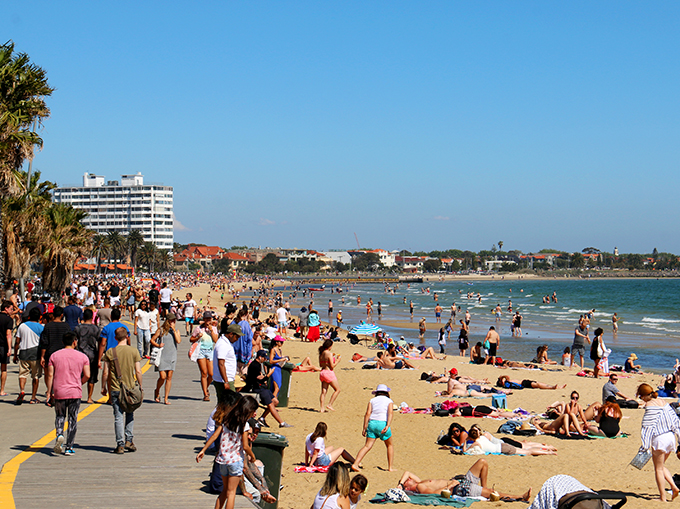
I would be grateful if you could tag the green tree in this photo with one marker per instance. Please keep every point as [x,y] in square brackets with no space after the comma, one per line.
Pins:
[500,245]
[66,241]
[147,255]
[577,261]
[23,88]
[367,261]
[134,240]
[116,243]
[432,265]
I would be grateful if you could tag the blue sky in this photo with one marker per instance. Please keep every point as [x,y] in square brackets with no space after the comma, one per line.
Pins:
[417,125]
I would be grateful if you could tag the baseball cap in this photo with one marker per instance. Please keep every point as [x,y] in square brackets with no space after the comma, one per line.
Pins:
[235,328]
[208,315]
[261,353]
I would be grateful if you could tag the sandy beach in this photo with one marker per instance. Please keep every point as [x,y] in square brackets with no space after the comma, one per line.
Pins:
[598,463]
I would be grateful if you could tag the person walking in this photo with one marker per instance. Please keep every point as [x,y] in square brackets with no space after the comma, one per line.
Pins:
[121,364]
[143,329]
[660,428]
[167,338]
[26,354]
[377,422]
[328,361]
[206,333]
[88,343]
[69,369]
[50,342]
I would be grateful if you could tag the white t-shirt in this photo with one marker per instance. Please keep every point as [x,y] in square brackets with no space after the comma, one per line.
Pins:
[352,505]
[82,292]
[319,444]
[224,350]
[153,321]
[143,319]
[331,503]
[28,335]
[281,314]
[379,406]
[166,295]
[189,307]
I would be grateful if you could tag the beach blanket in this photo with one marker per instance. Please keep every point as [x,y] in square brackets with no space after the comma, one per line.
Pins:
[303,469]
[620,435]
[419,499]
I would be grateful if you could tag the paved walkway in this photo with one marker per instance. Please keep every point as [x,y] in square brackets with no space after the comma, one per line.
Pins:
[162,473]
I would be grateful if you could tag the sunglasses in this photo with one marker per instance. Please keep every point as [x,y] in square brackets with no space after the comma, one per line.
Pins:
[575,398]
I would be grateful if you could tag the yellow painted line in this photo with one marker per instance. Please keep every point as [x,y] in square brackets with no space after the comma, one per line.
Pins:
[10,470]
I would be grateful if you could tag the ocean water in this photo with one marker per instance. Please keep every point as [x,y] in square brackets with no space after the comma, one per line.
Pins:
[649,312]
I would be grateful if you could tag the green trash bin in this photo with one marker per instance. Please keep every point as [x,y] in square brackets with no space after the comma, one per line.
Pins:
[284,392]
[268,448]
[266,344]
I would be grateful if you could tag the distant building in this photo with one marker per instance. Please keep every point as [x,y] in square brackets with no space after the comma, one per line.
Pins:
[616,251]
[123,206]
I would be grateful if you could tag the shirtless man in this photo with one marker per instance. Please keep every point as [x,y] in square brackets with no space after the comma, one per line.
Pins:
[422,328]
[494,341]
[391,361]
[474,484]
[438,313]
[498,312]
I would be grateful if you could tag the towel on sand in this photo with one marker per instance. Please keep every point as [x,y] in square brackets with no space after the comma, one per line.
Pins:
[419,499]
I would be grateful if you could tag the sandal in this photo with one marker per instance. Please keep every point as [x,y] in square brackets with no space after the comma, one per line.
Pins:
[34,401]
[206,398]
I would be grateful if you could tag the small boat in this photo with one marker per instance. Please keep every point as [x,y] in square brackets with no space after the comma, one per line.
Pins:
[315,289]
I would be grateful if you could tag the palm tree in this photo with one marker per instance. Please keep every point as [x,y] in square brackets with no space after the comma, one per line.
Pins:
[500,245]
[147,255]
[135,240]
[116,243]
[100,249]
[165,260]
[66,241]
[24,226]
[23,87]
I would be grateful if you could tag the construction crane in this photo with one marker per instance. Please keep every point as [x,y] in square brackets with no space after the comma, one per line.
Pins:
[357,239]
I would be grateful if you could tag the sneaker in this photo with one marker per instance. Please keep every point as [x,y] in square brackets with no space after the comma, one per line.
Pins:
[119,450]
[69,452]
[58,445]
[263,422]
[285,425]
[129,446]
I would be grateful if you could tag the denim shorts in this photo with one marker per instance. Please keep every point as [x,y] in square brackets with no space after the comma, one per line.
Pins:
[205,353]
[232,469]
[323,460]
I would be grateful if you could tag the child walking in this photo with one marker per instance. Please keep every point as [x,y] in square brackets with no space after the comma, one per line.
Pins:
[233,444]
[377,423]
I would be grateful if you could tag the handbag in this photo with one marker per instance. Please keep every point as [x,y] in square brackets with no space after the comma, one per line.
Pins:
[130,397]
[600,349]
[641,459]
[155,355]
[194,351]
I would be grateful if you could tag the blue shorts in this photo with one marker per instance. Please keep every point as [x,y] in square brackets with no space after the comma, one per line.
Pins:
[188,319]
[374,430]
[205,353]
[232,469]
[323,460]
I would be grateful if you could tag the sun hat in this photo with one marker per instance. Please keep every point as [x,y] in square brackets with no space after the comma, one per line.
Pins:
[381,388]
[171,316]
[633,356]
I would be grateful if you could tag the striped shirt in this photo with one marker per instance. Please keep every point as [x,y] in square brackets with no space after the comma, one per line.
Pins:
[554,489]
[657,421]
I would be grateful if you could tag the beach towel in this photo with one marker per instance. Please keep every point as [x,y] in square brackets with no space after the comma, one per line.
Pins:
[418,499]
[303,469]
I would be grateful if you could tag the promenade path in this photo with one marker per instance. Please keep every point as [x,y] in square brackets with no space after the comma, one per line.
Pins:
[163,473]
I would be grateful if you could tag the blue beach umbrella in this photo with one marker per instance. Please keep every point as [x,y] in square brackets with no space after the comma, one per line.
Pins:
[365,328]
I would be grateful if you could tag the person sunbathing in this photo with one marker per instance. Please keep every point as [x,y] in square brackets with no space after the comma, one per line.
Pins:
[474,484]
[456,388]
[484,411]
[488,443]
[508,383]
[563,425]
[390,360]
[573,407]
[455,437]
[542,356]
[428,353]
[306,365]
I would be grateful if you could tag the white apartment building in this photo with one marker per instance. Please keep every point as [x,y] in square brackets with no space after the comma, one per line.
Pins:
[123,205]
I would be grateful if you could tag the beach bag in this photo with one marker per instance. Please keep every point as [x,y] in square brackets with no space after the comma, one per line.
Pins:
[600,350]
[509,427]
[130,397]
[194,351]
[155,355]
[641,459]
[397,495]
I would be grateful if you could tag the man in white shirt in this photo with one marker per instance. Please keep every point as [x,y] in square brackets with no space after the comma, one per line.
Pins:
[143,329]
[282,319]
[224,359]
[166,298]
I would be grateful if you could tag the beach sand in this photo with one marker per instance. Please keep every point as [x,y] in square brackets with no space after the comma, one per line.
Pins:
[598,463]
